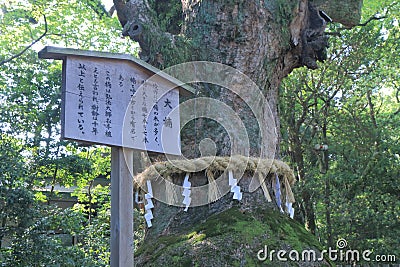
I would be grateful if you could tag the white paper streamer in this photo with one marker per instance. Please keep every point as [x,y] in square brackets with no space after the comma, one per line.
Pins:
[278,192]
[149,205]
[186,192]
[149,189]
[148,217]
[137,198]
[290,209]
[235,189]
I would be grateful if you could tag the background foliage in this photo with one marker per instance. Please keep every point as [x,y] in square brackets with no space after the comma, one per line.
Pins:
[352,103]
[34,162]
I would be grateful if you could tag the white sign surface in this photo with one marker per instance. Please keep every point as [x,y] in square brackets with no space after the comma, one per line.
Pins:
[113,102]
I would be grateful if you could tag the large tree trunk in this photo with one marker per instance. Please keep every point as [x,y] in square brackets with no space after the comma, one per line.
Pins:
[265,40]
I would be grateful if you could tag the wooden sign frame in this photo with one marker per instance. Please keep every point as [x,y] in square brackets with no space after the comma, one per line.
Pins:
[122,250]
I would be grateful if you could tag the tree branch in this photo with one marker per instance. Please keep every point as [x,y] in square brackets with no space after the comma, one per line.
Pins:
[397,99]
[30,45]
[140,23]
[98,7]
[373,18]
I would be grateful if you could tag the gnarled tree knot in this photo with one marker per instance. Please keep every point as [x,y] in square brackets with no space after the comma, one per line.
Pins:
[313,37]
[132,29]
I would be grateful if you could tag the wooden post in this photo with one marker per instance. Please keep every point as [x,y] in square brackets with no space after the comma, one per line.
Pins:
[121,208]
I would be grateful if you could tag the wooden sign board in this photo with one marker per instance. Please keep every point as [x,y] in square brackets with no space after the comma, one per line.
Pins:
[125,103]
[115,100]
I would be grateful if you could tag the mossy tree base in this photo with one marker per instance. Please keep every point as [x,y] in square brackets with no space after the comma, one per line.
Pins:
[230,238]
[226,232]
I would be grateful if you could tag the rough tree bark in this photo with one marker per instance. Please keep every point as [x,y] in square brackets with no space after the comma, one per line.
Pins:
[265,40]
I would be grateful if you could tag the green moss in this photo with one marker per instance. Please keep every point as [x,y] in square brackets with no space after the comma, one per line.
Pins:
[283,11]
[181,261]
[250,261]
[168,14]
[229,238]
[163,241]
[196,237]
[291,231]
[190,235]
[162,52]
[236,264]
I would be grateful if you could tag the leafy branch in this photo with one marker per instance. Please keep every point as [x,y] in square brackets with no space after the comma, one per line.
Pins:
[30,45]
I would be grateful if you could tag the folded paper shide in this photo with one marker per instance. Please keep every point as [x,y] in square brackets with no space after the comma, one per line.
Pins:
[149,204]
[186,192]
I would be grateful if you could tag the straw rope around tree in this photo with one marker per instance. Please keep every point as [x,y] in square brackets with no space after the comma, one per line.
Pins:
[258,167]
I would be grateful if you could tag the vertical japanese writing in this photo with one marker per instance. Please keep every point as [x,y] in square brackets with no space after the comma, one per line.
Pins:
[167,103]
[81,89]
[113,102]
[133,118]
[132,88]
[168,106]
[121,83]
[133,114]
[144,115]
[156,121]
[95,101]
[108,102]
